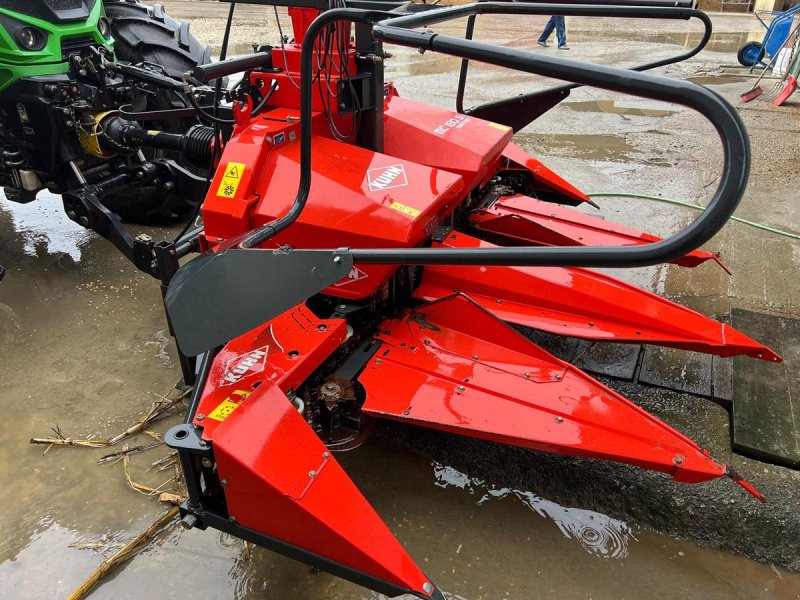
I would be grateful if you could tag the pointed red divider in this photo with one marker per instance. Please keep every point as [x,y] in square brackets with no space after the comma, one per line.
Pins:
[585,304]
[521,221]
[284,483]
[451,365]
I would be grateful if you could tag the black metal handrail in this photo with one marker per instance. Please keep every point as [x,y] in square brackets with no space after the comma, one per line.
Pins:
[685,14]
[398,30]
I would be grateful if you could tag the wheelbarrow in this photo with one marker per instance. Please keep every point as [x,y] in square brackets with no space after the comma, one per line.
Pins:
[777,30]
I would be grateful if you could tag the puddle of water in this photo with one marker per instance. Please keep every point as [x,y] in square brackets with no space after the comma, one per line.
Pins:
[604,147]
[476,540]
[617,107]
[720,41]
[160,345]
[45,228]
[47,546]
[597,533]
[716,80]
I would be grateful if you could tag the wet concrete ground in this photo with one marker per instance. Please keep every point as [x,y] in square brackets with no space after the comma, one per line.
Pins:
[84,348]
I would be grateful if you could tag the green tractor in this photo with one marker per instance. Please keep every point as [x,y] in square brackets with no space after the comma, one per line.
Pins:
[67,65]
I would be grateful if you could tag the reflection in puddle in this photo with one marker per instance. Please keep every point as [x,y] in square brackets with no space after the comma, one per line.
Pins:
[603,147]
[618,108]
[377,596]
[42,566]
[599,534]
[43,225]
[721,79]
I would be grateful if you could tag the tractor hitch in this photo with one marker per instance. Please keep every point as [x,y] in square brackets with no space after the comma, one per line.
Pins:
[84,206]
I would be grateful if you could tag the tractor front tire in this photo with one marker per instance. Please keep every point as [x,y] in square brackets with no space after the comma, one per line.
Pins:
[145,33]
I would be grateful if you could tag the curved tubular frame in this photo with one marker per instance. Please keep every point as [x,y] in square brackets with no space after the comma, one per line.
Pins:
[686,14]
[735,144]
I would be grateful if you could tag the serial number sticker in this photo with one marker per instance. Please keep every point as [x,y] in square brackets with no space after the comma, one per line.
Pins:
[457,121]
[406,210]
[230,180]
[226,407]
[499,126]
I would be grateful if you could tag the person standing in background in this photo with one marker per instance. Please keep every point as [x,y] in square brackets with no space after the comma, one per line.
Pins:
[556,22]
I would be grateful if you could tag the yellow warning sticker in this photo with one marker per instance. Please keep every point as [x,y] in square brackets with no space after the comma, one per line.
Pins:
[406,210]
[227,406]
[223,411]
[230,180]
[498,126]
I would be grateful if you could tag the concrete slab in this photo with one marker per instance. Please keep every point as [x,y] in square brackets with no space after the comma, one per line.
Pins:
[677,370]
[615,360]
[766,402]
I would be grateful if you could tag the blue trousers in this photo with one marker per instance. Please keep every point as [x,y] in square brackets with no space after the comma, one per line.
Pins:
[556,22]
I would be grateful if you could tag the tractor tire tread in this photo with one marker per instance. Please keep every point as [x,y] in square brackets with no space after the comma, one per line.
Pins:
[144,33]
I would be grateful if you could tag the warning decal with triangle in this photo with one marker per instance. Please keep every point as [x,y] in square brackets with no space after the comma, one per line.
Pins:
[230,180]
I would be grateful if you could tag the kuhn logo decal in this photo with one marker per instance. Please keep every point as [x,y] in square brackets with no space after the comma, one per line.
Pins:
[245,364]
[384,178]
[354,275]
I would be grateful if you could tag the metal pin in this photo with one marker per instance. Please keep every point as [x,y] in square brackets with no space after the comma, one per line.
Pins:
[312,473]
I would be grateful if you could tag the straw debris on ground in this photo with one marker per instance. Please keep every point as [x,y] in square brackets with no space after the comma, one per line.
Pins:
[169,492]
[140,542]
[157,411]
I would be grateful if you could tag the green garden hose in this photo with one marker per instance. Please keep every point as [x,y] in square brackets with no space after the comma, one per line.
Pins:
[696,207]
